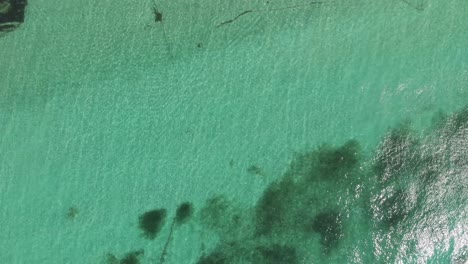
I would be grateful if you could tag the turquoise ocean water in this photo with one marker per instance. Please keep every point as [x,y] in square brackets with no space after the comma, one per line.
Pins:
[297,133]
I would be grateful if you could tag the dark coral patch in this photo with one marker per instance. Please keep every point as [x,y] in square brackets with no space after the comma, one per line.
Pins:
[213,258]
[450,126]
[111,259]
[396,154]
[328,225]
[276,254]
[151,222]
[272,207]
[327,162]
[331,161]
[222,216]
[285,204]
[132,257]
[213,214]
[184,212]
[460,120]
[393,208]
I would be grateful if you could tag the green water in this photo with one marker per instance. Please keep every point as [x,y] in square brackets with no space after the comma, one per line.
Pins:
[106,114]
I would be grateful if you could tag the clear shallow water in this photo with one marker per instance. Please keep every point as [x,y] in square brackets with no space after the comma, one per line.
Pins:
[105,117]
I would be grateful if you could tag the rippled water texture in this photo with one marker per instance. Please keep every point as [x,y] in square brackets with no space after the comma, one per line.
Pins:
[232,132]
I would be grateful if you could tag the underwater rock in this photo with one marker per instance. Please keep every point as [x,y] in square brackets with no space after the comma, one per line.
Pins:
[12,14]
[151,222]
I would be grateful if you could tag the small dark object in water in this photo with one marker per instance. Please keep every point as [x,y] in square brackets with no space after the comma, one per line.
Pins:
[11,14]
[151,222]
[72,213]
[232,20]
[158,16]
[255,170]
